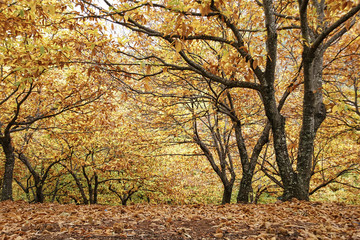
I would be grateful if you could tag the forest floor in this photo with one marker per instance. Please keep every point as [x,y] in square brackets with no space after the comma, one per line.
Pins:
[290,220]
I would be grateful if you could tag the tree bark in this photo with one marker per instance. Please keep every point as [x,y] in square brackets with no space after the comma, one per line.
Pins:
[227,193]
[96,187]
[39,197]
[245,187]
[277,121]
[8,149]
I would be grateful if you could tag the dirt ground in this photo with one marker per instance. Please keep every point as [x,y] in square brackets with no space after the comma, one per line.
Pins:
[291,220]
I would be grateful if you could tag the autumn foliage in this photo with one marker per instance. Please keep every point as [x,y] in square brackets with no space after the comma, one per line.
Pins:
[180,102]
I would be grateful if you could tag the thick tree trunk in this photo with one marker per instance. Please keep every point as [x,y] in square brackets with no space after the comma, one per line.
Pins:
[277,121]
[245,188]
[9,168]
[314,113]
[39,197]
[227,193]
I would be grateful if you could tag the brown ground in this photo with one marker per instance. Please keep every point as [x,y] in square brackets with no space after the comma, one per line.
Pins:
[291,220]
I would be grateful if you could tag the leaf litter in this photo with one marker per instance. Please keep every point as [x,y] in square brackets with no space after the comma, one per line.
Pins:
[289,220]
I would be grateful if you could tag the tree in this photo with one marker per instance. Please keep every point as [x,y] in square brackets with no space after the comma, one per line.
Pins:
[219,126]
[39,179]
[220,135]
[37,82]
[216,40]
[20,46]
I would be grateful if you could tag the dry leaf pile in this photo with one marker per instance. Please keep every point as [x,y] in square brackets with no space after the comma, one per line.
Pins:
[290,220]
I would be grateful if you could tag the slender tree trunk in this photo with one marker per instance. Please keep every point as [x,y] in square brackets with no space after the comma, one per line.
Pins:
[221,172]
[248,164]
[39,182]
[247,171]
[96,186]
[287,174]
[78,184]
[81,189]
[25,189]
[54,193]
[91,190]
[9,168]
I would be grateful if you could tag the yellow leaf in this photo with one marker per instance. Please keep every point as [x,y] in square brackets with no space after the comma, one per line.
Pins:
[146,84]
[51,9]
[336,108]
[178,46]
[148,69]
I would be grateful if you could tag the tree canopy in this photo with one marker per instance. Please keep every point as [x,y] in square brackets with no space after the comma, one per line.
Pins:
[151,100]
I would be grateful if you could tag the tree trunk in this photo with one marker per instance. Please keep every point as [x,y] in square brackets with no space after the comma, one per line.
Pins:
[227,193]
[247,171]
[78,184]
[96,186]
[247,164]
[314,113]
[39,197]
[245,188]
[221,172]
[91,190]
[9,168]
[81,189]
[277,121]
[39,182]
